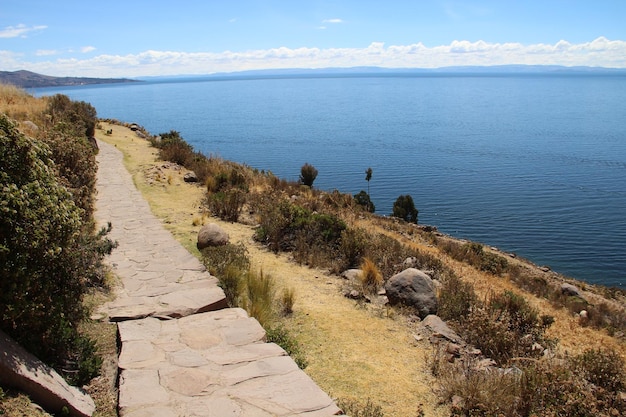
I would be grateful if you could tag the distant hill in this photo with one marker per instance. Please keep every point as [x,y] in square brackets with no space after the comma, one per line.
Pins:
[27,79]
[461,71]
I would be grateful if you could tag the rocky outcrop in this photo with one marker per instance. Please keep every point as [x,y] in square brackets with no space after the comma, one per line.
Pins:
[23,371]
[413,288]
[570,290]
[211,235]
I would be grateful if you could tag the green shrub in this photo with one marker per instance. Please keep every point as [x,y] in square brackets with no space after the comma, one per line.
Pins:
[603,368]
[218,258]
[308,173]
[506,327]
[404,208]
[48,256]
[363,200]
[456,298]
[229,263]
[281,336]
[227,205]
[352,247]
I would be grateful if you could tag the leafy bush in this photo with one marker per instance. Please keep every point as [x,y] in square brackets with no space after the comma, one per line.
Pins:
[363,200]
[77,118]
[456,298]
[281,336]
[227,205]
[506,327]
[404,208]
[48,257]
[603,368]
[308,173]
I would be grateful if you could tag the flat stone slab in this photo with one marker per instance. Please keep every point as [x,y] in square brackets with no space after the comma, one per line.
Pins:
[20,369]
[211,364]
[159,277]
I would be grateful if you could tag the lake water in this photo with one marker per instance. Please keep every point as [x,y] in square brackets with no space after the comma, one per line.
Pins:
[532,164]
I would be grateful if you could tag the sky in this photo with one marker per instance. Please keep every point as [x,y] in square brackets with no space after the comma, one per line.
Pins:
[134,38]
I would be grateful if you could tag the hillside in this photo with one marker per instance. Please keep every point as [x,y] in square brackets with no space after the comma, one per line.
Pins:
[27,79]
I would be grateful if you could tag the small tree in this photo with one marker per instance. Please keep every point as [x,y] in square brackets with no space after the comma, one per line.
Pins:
[363,199]
[368,177]
[404,208]
[308,173]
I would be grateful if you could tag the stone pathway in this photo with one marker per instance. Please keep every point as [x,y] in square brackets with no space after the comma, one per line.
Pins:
[183,353]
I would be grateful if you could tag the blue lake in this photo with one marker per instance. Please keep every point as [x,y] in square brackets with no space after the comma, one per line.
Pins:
[532,164]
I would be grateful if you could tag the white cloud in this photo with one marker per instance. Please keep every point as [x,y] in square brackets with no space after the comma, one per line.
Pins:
[87,49]
[19,31]
[599,52]
[46,52]
[335,21]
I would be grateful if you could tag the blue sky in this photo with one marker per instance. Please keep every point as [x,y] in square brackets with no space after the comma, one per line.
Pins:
[136,38]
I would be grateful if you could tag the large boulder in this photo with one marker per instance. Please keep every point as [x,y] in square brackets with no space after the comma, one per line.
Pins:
[211,235]
[413,288]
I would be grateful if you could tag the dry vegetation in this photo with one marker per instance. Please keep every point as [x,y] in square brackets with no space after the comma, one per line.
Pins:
[366,354]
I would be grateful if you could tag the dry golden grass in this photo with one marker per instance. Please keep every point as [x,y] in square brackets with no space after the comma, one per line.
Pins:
[19,105]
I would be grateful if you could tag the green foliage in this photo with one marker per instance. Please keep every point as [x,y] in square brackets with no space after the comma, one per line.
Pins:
[474,254]
[281,336]
[308,173]
[227,205]
[229,263]
[603,368]
[404,208]
[48,255]
[456,298]
[363,200]
[172,147]
[76,118]
[506,327]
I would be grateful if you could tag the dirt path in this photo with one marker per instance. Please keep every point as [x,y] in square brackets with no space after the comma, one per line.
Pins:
[351,353]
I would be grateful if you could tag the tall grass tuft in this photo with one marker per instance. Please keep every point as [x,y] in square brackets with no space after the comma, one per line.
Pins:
[371,278]
[258,297]
[287,300]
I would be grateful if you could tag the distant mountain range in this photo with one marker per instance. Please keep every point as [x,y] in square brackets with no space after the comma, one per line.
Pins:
[27,79]
[494,70]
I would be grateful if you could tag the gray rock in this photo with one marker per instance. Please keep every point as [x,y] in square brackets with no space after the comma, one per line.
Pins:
[413,288]
[440,328]
[22,370]
[190,177]
[211,235]
[570,290]
[351,274]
